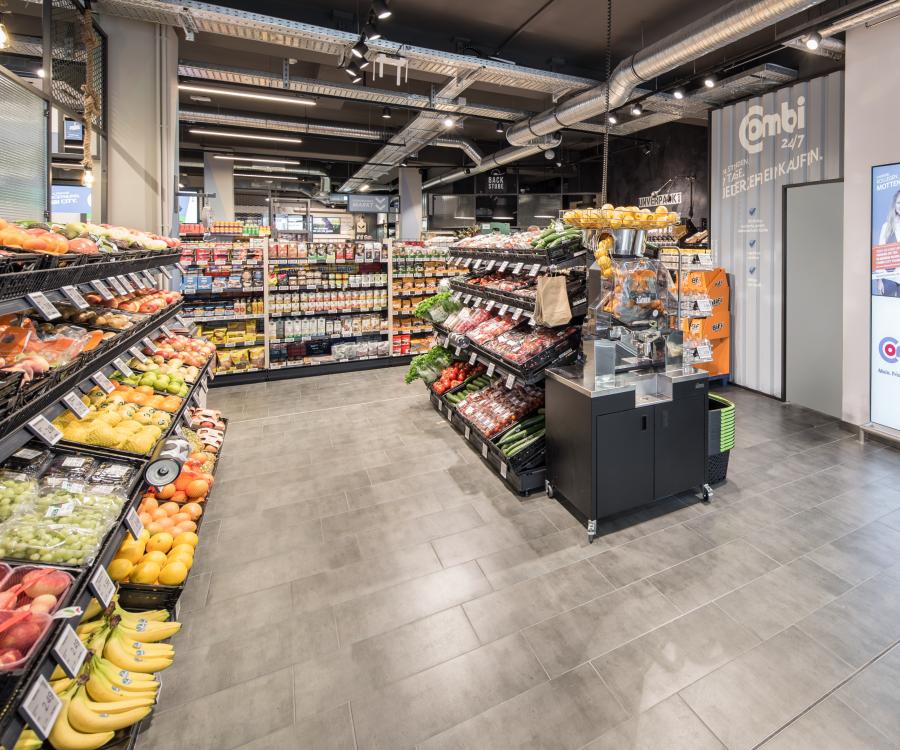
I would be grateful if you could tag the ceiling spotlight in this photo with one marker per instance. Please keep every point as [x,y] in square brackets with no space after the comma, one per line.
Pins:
[359,49]
[549,154]
[370,32]
[203,99]
[381,9]
[40,73]
[449,122]
[813,40]
[637,110]
[385,114]
[181,186]
[267,200]
[709,81]
[363,188]
[499,127]
[363,64]
[678,94]
[4,36]
[352,70]
[611,119]
[559,164]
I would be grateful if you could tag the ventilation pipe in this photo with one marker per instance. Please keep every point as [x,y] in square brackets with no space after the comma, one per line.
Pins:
[721,27]
[499,159]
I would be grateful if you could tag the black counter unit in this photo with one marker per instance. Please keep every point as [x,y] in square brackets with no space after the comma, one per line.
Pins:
[615,449]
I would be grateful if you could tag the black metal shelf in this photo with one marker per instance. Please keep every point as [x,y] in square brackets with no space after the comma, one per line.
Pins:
[517,261]
[490,299]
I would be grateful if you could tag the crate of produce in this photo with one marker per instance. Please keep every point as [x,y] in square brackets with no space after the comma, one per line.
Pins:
[522,445]
[721,438]
[529,350]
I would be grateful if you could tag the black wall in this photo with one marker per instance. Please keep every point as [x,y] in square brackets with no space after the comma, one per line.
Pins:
[675,149]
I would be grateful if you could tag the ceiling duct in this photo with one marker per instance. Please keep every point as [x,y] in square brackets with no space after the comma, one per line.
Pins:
[834,48]
[719,28]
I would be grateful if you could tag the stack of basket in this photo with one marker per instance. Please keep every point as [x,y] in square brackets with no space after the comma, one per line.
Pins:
[721,437]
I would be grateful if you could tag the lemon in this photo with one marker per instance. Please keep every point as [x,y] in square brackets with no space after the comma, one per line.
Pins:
[119,569]
[156,556]
[146,572]
[173,574]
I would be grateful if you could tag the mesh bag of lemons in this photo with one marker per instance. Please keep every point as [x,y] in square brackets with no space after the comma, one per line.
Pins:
[112,422]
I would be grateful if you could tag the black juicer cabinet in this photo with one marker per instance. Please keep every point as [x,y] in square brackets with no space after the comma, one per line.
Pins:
[607,456]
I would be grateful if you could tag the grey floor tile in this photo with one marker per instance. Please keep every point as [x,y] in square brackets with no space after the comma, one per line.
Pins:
[830,725]
[712,574]
[860,624]
[860,554]
[363,520]
[631,526]
[670,725]
[478,542]
[875,694]
[789,539]
[780,598]
[561,714]
[503,612]
[865,504]
[738,519]
[391,607]
[892,520]
[418,530]
[657,665]
[410,711]
[599,626]
[650,554]
[331,730]
[746,700]
[355,671]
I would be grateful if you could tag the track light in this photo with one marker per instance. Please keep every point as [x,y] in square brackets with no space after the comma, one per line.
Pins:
[449,122]
[611,119]
[813,40]
[181,186]
[499,127]
[359,49]
[352,70]
[363,188]
[637,110]
[381,9]
[370,32]
[709,81]
[678,94]
[385,114]
[363,64]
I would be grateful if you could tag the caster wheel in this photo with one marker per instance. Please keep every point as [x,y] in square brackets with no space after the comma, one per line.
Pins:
[548,488]
[707,493]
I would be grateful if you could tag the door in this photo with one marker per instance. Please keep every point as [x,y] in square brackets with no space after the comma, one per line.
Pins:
[813,294]
[624,445]
[679,445]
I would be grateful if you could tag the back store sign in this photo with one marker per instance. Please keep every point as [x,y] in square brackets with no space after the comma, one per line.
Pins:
[788,136]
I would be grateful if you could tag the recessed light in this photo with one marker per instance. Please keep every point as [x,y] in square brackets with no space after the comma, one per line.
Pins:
[245,136]
[678,94]
[813,41]
[246,94]
[709,81]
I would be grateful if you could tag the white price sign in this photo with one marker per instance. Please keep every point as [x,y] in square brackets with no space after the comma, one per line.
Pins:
[468,431]
[467,299]
[503,266]
[40,707]
[45,307]
[510,381]
[490,305]
[149,344]
[704,305]
[147,278]
[74,296]
[489,266]
[126,284]
[503,470]
[104,382]
[168,331]
[503,309]
[477,301]
[135,280]
[484,450]
[102,586]
[72,401]
[534,269]
[473,357]
[517,314]
[477,264]
[440,407]
[69,651]
[166,272]
[101,289]
[123,368]
[467,262]
[116,285]
[457,351]
[517,268]
[490,369]
[133,523]
[45,430]
[704,351]
[136,352]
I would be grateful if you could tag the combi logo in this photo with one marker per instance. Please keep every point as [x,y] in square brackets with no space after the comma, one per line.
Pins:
[887,348]
[757,125]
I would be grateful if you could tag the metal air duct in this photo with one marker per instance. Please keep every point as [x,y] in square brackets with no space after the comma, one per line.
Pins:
[717,29]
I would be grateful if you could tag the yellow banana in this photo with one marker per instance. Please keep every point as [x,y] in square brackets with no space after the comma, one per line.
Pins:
[99,689]
[83,718]
[28,740]
[90,627]
[117,706]
[125,688]
[153,615]
[115,652]
[93,610]
[127,681]
[139,648]
[58,674]
[150,632]
[65,737]
[59,685]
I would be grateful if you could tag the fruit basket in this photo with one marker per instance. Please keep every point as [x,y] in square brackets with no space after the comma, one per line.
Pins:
[21,634]
[40,588]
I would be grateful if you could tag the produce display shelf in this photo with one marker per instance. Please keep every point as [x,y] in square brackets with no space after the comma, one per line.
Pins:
[479,296]
[328,361]
[351,311]
[408,329]
[43,663]
[419,259]
[316,288]
[328,337]
[239,344]
[216,292]
[523,482]
[307,262]
[415,292]
[220,374]
[527,258]
[13,431]
[427,275]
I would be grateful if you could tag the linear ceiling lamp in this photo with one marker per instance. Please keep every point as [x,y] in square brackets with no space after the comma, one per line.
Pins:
[256,159]
[245,136]
[246,94]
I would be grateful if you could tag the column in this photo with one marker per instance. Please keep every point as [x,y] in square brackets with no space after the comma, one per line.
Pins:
[410,226]
[218,179]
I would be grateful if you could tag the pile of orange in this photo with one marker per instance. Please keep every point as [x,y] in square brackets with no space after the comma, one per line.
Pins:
[144,395]
[160,558]
[168,516]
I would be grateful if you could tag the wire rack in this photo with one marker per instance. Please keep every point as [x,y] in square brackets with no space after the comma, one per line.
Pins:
[70,57]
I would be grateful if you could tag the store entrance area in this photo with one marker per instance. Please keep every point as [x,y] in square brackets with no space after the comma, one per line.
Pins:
[366,582]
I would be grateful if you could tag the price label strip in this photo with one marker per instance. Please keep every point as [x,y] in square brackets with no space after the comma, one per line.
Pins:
[101,289]
[40,707]
[136,352]
[534,269]
[104,382]
[102,586]
[148,279]
[44,306]
[135,280]
[44,430]
[123,368]
[74,296]
[72,402]
[69,651]
[168,331]
[133,523]
[116,285]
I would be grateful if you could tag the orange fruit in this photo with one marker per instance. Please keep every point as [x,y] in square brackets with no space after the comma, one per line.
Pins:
[167,524]
[194,510]
[159,514]
[173,574]
[161,541]
[170,508]
[146,572]
[197,488]
[146,518]
[157,556]
[149,504]
[155,527]
[119,569]
[188,537]
[187,526]
[165,493]
[144,389]
[177,518]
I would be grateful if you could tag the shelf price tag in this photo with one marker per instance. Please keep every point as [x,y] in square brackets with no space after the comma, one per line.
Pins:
[467,299]
[122,367]
[473,358]
[446,339]
[534,269]
[477,264]
[75,404]
[168,331]
[134,279]
[468,432]
[517,314]
[147,278]
[126,284]
[44,306]
[74,296]
[510,381]
[503,265]
[484,450]
[490,369]
[503,309]
[704,305]
[440,407]
[165,272]
[517,269]
[133,523]
[489,266]
[477,301]
[104,382]
[101,289]
[135,351]
[116,285]
[503,470]
[704,351]
[449,415]
[69,651]
[490,305]
[102,586]
[149,344]
[42,428]
[40,707]
[457,351]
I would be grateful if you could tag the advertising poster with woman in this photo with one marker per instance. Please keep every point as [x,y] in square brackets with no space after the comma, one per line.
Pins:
[886,295]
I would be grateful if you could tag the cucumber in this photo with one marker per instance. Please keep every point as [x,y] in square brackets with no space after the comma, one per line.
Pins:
[519,447]
[511,437]
[531,421]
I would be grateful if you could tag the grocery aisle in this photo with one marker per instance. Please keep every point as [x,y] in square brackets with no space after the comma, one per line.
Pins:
[371,585]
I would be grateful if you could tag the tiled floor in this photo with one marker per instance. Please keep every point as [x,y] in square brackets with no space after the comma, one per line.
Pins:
[363,582]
